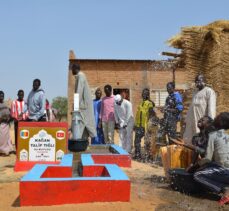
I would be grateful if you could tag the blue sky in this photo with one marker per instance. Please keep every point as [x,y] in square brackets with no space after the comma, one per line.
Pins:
[36,36]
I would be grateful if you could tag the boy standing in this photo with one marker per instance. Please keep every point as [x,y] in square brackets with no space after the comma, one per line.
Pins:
[107,119]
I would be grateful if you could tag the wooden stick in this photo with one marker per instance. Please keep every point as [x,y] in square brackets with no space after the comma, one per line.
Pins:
[189,146]
[170,54]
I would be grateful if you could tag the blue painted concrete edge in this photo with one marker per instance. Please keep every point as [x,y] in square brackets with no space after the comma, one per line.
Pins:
[119,150]
[34,175]
[66,160]
[39,169]
[87,160]
[116,148]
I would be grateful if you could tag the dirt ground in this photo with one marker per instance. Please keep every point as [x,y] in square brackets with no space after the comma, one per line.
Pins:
[149,191]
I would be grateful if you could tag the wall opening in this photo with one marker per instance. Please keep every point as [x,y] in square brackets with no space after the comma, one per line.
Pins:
[125,93]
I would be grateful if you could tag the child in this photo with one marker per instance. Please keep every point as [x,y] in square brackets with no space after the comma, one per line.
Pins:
[200,140]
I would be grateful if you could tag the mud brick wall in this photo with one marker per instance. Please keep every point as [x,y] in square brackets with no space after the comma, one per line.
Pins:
[134,75]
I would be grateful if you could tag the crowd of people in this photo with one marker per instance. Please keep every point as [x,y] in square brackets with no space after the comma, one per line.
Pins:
[36,108]
[115,112]
[204,131]
[98,119]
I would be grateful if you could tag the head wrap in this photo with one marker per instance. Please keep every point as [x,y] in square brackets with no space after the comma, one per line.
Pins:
[117,98]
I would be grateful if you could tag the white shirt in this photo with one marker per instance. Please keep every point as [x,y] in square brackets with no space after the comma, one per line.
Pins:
[123,112]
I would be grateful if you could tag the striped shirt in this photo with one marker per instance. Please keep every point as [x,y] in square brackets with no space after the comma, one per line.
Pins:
[18,107]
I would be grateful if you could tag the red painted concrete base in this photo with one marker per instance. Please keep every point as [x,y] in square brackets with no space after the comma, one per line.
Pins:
[95,171]
[71,192]
[120,160]
[53,184]
[57,172]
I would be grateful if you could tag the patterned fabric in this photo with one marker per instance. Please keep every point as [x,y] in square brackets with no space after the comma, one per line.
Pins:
[174,101]
[169,122]
[168,126]
[150,138]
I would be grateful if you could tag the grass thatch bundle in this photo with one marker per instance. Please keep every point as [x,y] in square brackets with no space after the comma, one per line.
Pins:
[205,49]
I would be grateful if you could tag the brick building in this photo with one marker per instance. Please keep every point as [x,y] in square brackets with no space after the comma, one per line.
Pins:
[128,77]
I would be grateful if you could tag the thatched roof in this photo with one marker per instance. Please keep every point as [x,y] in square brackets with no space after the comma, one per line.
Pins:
[205,50]
[211,30]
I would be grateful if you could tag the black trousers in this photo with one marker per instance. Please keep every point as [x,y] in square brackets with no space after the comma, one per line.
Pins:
[213,177]
[139,134]
[169,126]
[15,132]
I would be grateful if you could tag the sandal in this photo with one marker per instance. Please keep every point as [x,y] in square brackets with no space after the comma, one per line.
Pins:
[224,200]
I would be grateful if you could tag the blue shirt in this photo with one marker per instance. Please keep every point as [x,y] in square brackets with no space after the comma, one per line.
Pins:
[99,139]
[97,108]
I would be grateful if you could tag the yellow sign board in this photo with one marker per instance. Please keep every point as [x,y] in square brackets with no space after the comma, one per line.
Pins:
[42,141]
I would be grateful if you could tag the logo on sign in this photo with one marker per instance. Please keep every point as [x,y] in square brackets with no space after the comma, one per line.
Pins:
[23,155]
[24,134]
[60,134]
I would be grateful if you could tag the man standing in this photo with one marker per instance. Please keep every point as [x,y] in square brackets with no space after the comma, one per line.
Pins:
[141,120]
[83,121]
[107,119]
[172,110]
[99,139]
[17,109]
[125,119]
[203,104]
[36,103]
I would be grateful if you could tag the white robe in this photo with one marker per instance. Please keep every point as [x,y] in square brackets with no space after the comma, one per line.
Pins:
[83,121]
[124,116]
[203,104]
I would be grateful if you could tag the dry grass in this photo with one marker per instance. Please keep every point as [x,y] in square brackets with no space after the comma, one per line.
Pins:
[205,50]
